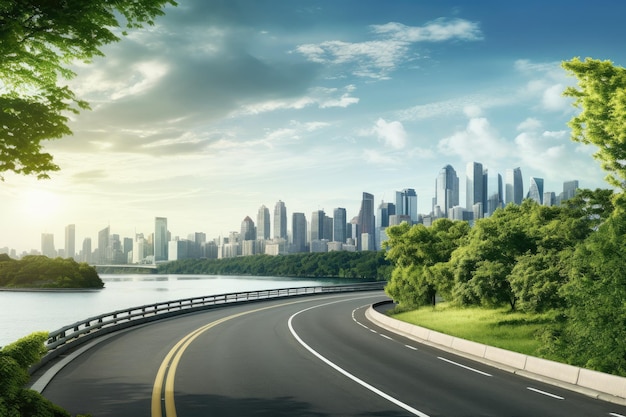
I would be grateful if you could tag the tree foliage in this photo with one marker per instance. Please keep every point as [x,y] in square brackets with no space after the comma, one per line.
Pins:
[15,400]
[43,272]
[601,96]
[38,42]
[369,265]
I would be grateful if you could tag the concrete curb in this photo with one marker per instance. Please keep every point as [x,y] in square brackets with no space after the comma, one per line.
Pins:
[591,383]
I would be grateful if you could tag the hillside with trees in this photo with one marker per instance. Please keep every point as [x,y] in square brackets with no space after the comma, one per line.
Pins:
[43,272]
[367,265]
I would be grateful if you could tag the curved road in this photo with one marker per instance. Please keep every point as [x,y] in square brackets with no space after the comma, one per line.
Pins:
[311,356]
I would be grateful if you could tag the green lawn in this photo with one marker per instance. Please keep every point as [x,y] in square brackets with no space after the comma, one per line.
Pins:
[495,327]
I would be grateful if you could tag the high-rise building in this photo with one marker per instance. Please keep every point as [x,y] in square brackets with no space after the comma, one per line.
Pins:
[263,223]
[535,191]
[86,253]
[280,221]
[47,245]
[367,223]
[298,233]
[104,250]
[446,190]
[569,190]
[160,239]
[474,187]
[514,186]
[248,232]
[549,198]
[406,204]
[495,198]
[339,225]
[317,225]
[70,241]
[383,212]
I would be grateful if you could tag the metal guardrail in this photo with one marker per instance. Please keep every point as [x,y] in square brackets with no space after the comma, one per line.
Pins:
[80,332]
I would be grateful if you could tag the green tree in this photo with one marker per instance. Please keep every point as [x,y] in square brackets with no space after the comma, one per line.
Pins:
[601,96]
[38,42]
[417,253]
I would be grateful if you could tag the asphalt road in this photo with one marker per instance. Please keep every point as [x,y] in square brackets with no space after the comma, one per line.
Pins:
[311,356]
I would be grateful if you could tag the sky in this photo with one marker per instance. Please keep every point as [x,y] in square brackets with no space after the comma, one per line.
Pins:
[227,105]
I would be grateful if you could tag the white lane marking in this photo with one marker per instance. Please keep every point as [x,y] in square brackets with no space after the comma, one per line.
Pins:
[463,366]
[346,373]
[545,393]
[411,347]
[616,415]
[386,337]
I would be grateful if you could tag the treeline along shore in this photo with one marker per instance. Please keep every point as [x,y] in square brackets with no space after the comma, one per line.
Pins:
[367,265]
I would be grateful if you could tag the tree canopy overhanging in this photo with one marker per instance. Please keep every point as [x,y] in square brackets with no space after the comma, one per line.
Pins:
[39,40]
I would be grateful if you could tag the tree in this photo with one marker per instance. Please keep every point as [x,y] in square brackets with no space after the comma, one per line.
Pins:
[601,96]
[38,42]
[418,253]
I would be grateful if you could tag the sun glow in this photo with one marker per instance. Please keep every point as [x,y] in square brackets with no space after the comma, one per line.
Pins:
[39,204]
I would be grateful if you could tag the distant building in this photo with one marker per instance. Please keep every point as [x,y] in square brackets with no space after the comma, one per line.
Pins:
[70,241]
[549,198]
[47,245]
[514,189]
[160,239]
[280,221]
[248,231]
[406,203]
[340,225]
[263,223]
[474,187]
[367,223]
[446,190]
[495,198]
[299,232]
[317,225]
[535,191]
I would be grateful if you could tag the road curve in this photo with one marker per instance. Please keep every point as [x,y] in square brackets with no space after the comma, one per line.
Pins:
[311,356]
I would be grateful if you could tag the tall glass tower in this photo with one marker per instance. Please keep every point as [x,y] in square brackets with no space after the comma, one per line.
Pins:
[317,225]
[298,225]
[248,232]
[263,223]
[367,223]
[514,189]
[406,203]
[339,225]
[446,189]
[474,190]
[535,191]
[494,194]
[70,241]
[280,220]
[160,239]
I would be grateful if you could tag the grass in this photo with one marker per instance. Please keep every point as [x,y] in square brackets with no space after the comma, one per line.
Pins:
[500,327]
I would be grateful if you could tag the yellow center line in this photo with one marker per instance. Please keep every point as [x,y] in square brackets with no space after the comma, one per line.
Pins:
[167,370]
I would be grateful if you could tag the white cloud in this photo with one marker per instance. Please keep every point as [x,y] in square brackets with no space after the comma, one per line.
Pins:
[479,141]
[553,99]
[378,158]
[472,111]
[529,124]
[377,58]
[391,133]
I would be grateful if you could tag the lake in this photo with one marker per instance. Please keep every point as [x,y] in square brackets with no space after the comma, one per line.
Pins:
[22,313]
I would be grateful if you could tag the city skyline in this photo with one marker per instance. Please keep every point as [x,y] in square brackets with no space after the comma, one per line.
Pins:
[222,107]
[312,225]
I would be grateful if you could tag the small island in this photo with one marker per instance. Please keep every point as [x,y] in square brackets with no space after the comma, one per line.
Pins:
[41,272]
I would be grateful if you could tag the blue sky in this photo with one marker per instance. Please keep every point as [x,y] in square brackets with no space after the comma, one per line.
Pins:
[225,106]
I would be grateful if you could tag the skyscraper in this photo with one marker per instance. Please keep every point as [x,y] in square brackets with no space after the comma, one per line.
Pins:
[280,220]
[494,194]
[474,190]
[160,239]
[70,241]
[569,190]
[406,203]
[104,250]
[514,186]
[47,245]
[446,189]
[339,225]
[367,223]
[317,225]
[535,191]
[86,254]
[298,225]
[248,232]
[263,223]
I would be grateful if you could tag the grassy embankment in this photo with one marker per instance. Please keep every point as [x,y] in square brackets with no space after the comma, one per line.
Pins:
[500,327]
